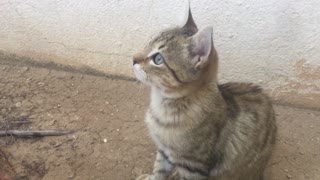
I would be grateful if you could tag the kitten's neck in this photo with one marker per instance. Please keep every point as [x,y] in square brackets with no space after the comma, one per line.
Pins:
[187,110]
[193,90]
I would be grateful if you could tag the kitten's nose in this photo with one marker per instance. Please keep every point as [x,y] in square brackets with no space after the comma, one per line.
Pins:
[134,61]
[137,59]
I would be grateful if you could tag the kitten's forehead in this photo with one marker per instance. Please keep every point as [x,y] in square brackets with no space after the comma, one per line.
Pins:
[169,35]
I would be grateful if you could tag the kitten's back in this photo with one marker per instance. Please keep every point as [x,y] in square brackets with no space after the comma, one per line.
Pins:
[244,95]
[248,106]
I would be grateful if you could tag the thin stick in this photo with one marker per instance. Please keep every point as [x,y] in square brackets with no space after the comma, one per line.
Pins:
[20,122]
[42,133]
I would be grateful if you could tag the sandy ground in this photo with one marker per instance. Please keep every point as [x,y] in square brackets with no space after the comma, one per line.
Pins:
[112,142]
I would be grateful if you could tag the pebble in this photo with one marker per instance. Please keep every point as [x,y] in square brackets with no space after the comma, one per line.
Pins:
[18,104]
[289,176]
[24,69]
[24,114]
[40,83]
[105,140]
[53,122]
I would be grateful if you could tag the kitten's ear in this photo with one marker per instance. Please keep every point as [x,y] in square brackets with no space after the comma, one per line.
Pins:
[201,46]
[190,25]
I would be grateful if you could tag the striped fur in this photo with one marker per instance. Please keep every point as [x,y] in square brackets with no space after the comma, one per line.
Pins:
[202,130]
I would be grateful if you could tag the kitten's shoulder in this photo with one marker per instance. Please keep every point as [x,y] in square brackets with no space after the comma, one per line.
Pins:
[246,97]
[244,92]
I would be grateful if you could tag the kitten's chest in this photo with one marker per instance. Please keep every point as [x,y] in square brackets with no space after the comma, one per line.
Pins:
[168,130]
[171,122]
[163,128]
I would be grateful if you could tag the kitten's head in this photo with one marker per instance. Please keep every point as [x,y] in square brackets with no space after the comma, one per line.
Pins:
[178,61]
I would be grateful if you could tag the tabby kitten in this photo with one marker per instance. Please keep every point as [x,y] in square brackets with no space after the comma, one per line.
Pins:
[202,130]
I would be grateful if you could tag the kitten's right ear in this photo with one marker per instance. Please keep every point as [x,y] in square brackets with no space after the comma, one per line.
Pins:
[201,47]
[190,25]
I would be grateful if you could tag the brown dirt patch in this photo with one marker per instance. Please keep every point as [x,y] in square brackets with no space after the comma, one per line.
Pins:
[112,142]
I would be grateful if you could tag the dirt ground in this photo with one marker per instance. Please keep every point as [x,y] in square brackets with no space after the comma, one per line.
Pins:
[112,142]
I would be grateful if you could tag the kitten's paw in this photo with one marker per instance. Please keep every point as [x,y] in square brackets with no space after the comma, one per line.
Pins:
[174,176]
[144,177]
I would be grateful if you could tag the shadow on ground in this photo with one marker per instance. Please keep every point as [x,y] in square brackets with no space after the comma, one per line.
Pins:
[112,142]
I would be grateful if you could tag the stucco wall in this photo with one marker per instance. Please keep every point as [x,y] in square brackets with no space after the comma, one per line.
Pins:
[274,43]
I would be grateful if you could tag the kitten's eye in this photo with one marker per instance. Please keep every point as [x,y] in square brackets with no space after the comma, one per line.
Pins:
[158,59]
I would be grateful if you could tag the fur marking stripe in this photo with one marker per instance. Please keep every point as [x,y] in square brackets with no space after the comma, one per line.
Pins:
[165,156]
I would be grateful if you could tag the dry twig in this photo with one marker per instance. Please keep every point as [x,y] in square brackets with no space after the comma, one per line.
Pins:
[18,133]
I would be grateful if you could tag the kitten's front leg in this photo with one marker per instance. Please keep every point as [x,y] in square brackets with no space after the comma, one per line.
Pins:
[161,170]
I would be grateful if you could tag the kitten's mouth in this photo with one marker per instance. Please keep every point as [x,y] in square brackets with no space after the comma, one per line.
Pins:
[139,72]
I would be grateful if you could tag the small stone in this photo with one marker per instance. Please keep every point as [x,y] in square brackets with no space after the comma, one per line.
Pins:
[24,69]
[18,104]
[105,140]
[40,83]
[53,122]
[118,129]
[24,114]
[286,170]
[289,176]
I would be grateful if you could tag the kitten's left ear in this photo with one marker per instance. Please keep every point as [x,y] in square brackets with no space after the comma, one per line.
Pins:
[189,24]
[201,46]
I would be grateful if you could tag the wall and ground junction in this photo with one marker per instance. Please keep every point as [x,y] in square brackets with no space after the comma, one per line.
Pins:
[272,43]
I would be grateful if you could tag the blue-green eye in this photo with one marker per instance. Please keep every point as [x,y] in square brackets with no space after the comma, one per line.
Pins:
[158,59]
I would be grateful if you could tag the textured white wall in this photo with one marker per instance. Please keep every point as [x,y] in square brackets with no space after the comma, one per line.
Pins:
[275,43]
